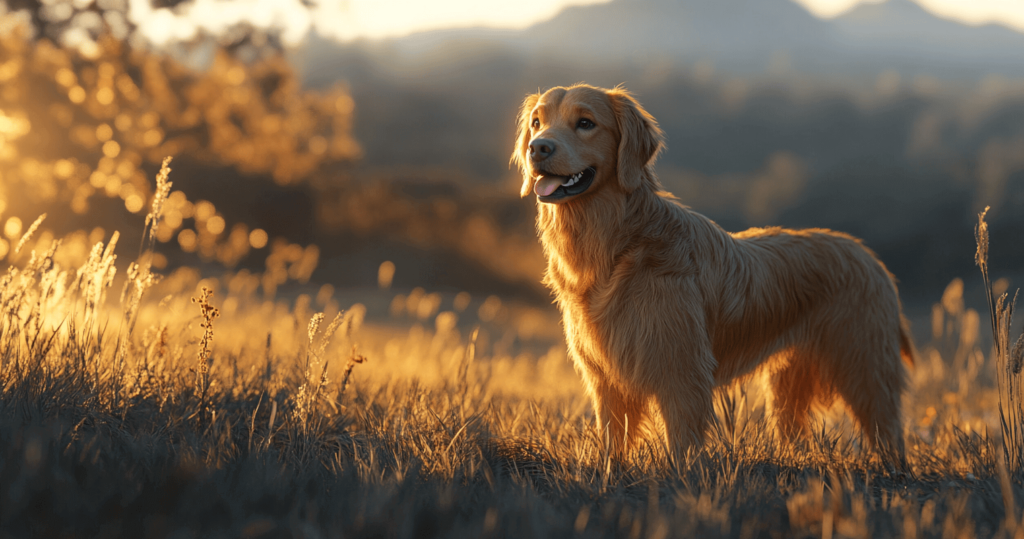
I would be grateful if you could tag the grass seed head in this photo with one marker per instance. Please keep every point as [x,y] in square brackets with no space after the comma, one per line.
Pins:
[314,326]
[1017,355]
[208,312]
[163,189]
[981,237]
[28,234]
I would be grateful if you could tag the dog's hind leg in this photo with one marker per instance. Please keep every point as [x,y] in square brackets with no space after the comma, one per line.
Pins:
[795,386]
[871,381]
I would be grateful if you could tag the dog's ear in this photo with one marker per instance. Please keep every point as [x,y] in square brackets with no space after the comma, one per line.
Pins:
[523,140]
[640,138]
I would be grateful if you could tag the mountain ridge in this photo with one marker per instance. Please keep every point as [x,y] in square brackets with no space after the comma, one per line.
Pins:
[737,36]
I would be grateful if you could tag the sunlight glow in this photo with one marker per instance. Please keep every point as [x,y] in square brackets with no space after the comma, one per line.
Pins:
[387,18]
[347,20]
[341,20]
[976,12]
[1008,12]
[828,9]
[162,26]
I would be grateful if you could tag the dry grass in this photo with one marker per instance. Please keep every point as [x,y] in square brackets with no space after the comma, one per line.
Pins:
[279,427]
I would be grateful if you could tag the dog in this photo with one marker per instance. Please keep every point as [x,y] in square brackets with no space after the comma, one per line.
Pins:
[661,306]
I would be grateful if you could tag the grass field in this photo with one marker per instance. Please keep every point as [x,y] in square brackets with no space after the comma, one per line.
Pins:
[192,407]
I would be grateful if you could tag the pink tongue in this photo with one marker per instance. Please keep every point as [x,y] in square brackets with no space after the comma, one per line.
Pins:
[546,186]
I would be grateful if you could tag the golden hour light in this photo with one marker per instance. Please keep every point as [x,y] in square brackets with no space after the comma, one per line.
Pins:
[572,268]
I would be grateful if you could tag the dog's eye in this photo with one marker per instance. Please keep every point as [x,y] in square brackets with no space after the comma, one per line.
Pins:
[535,124]
[584,124]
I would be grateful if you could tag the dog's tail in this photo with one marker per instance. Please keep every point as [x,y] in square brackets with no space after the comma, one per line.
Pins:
[907,348]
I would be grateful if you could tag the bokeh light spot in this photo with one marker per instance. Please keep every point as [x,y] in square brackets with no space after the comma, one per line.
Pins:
[65,77]
[187,240]
[105,96]
[80,202]
[123,122]
[489,309]
[152,137]
[385,274]
[126,190]
[76,94]
[215,225]
[149,120]
[445,322]
[172,218]
[107,165]
[97,179]
[258,238]
[111,148]
[104,132]
[113,186]
[165,233]
[125,169]
[63,169]
[461,301]
[134,203]
[204,210]
[12,228]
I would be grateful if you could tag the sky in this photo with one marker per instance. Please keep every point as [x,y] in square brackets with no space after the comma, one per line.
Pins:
[352,19]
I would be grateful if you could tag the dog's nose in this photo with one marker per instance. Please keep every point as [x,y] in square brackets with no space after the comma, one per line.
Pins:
[541,148]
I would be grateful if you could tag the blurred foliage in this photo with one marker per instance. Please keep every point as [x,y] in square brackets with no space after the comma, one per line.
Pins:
[76,128]
[80,25]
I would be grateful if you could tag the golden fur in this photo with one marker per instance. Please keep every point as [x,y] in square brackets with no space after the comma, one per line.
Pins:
[660,305]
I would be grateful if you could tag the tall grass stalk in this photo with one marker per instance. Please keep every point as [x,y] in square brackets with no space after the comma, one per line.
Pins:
[1008,362]
[205,352]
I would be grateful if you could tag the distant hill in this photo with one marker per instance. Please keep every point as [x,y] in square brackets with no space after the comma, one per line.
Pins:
[901,35]
[740,37]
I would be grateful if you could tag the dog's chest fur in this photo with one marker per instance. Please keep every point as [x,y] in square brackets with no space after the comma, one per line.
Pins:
[594,265]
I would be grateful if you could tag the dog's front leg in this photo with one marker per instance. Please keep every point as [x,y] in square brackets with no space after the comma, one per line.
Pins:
[685,402]
[618,414]
[676,368]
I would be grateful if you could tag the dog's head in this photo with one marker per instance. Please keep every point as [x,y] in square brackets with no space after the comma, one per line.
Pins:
[583,139]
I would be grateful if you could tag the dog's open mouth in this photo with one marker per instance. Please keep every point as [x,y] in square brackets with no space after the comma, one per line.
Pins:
[555,188]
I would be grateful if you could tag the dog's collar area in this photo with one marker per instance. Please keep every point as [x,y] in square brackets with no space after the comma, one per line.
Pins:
[569,186]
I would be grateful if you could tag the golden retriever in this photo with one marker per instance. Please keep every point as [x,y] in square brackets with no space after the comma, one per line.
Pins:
[660,306]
